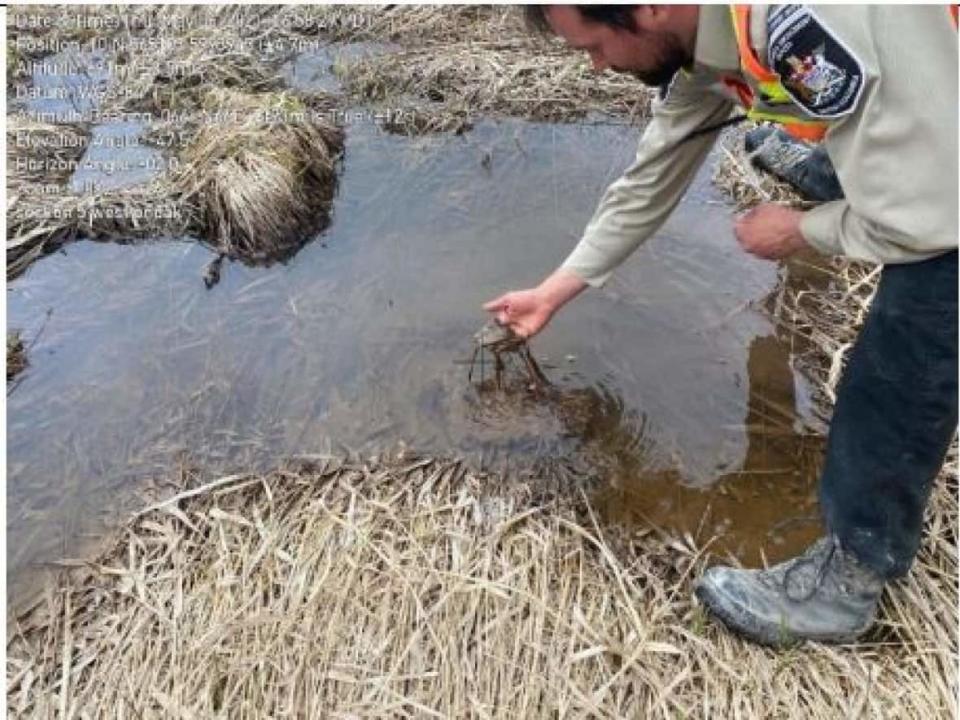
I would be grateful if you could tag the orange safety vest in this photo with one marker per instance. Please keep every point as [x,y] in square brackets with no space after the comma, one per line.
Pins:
[769,81]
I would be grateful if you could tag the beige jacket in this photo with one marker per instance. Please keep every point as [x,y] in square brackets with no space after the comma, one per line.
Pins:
[894,149]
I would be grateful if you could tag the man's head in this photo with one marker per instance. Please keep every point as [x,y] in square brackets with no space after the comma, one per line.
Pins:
[650,42]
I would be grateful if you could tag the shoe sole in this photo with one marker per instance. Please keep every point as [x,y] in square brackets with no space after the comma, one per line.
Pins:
[778,640]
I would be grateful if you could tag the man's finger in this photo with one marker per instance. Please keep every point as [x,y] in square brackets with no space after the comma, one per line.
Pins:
[499,304]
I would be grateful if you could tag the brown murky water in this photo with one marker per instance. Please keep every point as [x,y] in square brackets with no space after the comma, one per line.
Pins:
[671,392]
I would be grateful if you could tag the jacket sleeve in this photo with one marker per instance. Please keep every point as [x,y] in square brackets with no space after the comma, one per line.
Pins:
[896,151]
[638,203]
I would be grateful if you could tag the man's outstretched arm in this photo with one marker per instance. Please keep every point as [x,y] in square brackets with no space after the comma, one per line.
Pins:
[632,208]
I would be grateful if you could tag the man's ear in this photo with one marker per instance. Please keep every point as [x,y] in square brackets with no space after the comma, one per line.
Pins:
[651,17]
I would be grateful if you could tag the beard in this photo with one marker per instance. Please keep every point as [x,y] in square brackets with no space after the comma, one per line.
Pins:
[671,56]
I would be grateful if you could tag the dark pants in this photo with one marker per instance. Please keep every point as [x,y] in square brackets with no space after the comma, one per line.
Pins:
[895,415]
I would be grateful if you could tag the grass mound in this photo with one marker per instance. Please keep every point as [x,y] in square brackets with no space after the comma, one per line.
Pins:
[264,181]
[254,185]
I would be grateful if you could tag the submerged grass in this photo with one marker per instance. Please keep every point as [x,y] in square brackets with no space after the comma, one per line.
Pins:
[16,354]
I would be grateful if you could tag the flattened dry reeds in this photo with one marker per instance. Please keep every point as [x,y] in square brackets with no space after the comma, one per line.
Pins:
[414,586]
[180,82]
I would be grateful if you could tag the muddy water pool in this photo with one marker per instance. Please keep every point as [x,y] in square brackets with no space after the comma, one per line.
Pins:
[673,394]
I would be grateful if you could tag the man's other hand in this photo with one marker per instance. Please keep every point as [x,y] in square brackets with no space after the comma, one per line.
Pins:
[770,231]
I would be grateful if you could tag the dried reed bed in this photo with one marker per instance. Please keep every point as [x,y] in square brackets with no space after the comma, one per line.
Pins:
[411,586]
[507,72]
[456,63]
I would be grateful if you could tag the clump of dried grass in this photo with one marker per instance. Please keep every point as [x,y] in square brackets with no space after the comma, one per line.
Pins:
[264,181]
[256,175]
[415,586]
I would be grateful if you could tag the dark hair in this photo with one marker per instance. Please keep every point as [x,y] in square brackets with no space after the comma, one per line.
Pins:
[618,16]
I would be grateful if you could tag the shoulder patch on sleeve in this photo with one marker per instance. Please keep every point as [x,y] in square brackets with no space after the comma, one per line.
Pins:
[815,67]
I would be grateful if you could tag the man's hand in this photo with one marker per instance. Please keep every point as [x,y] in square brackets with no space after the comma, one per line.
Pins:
[527,311]
[770,231]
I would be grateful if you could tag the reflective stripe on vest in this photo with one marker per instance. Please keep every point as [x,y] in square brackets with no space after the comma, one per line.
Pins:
[769,84]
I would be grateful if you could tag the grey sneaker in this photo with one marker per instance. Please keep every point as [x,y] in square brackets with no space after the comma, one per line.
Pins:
[824,595]
[804,166]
